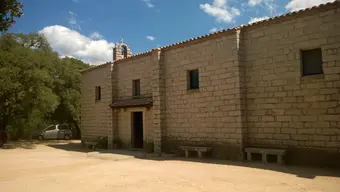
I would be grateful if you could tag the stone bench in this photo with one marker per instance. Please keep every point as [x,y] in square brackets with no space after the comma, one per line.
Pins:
[199,150]
[278,152]
[91,144]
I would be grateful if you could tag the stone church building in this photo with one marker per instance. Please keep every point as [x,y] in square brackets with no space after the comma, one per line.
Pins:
[272,84]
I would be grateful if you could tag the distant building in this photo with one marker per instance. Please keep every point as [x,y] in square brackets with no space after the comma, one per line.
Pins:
[274,83]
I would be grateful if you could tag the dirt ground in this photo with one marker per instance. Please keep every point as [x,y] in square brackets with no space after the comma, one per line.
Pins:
[66,167]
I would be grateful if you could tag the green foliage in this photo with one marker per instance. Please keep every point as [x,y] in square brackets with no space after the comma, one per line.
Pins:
[9,10]
[102,142]
[36,86]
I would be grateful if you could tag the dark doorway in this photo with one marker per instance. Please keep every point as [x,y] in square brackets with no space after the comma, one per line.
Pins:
[137,129]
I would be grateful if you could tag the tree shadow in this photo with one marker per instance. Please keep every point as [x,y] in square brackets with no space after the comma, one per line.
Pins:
[22,145]
[32,144]
[299,171]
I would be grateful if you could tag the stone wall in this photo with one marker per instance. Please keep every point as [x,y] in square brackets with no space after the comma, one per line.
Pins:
[137,68]
[284,108]
[124,72]
[158,97]
[251,91]
[125,126]
[96,116]
[211,115]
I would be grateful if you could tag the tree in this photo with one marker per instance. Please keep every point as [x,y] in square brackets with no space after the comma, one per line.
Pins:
[9,10]
[36,86]
[67,86]
[25,85]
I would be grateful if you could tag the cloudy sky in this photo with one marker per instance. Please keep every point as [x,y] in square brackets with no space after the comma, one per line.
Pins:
[88,29]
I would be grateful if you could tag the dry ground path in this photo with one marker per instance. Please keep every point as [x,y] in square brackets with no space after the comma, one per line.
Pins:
[65,167]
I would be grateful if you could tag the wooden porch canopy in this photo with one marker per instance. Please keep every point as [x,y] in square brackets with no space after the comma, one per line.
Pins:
[132,102]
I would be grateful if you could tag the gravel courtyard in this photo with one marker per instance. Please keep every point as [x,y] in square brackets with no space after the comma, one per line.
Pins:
[66,167]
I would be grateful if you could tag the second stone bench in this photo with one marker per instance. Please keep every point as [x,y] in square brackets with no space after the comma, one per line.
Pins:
[264,152]
[200,150]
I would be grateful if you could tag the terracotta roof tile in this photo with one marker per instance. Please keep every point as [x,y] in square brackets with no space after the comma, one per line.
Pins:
[135,56]
[95,67]
[241,26]
[294,13]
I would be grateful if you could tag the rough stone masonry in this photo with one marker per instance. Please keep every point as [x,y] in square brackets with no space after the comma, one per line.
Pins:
[254,91]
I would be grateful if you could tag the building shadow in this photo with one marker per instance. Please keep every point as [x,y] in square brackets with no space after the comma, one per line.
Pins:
[71,146]
[299,171]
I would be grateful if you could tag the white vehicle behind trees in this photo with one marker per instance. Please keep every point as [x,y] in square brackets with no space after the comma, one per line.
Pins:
[59,131]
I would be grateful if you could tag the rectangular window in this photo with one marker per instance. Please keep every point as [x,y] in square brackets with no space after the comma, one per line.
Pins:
[193,82]
[98,93]
[136,87]
[311,62]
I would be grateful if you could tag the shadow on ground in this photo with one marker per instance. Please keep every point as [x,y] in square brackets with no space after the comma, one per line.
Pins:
[304,172]
[20,144]
[31,144]
[71,146]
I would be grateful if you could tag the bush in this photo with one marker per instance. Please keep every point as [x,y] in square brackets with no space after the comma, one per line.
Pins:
[102,142]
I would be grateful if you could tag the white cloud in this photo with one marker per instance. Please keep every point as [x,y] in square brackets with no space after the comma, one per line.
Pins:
[214,29]
[148,3]
[76,1]
[269,5]
[219,3]
[73,21]
[68,42]
[254,2]
[295,5]
[151,38]
[221,11]
[66,56]
[96,36]
[256,19]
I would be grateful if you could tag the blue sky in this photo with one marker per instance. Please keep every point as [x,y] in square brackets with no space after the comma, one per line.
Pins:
[88,29]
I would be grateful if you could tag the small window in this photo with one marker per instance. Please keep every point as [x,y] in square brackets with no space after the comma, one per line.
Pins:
[193,82]
[311,62]
[136,87]
[98,93]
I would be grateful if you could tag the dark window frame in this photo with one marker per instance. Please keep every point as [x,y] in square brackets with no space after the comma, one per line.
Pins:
[98,93]
[193,79]
[314,67]
[136,90]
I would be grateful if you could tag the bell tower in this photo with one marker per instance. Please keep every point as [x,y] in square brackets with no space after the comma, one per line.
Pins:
[121,51]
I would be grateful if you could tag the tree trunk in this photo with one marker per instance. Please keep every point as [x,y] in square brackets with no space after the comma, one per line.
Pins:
[3,122]
[78,129]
